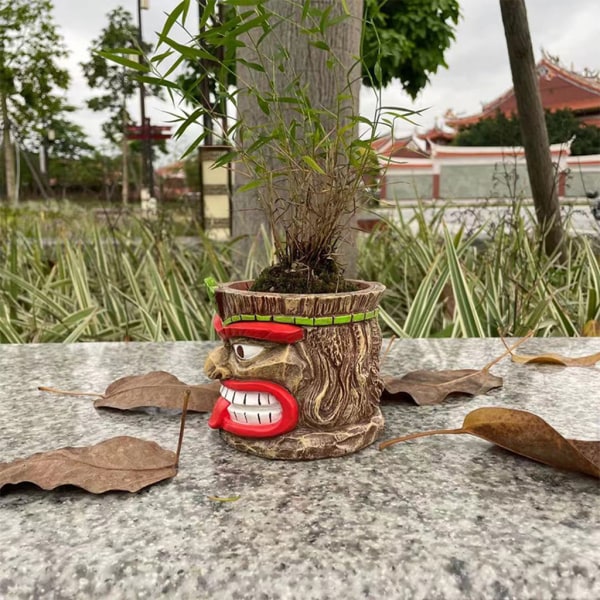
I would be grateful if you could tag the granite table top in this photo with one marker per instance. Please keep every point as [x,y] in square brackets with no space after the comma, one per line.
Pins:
[439,518]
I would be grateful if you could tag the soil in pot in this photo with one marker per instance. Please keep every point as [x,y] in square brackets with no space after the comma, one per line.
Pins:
[301,278]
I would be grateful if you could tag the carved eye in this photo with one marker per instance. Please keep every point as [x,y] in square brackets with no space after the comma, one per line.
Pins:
[246,351]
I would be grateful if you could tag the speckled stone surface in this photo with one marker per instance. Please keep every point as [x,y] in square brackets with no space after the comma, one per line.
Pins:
[438,518]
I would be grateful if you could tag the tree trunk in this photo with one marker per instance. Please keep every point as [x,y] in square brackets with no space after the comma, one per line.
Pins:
[125,166]
[324,85]
[542,176]
[9,156]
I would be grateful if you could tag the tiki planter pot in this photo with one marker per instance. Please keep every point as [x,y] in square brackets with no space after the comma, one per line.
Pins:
[299,372]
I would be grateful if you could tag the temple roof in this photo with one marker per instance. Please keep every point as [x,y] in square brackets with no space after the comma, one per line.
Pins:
[404,147]
[560,88]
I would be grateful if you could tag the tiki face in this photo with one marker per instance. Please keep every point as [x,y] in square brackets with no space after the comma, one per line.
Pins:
[278,377]
[260,371]
[299,372]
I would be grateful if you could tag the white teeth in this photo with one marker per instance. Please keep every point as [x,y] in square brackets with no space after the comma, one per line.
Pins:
[254,415]
[254,408]
[227,393]
[248,398]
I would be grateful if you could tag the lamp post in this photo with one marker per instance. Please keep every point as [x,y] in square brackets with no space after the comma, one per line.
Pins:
[47,140]
[147,169]
[50,137]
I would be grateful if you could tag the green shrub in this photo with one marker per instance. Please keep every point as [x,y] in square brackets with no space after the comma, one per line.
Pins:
[138,284]
[67,278]
[495,280]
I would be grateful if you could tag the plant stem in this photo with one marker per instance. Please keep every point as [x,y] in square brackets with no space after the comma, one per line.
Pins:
[412,436]
[186,400]
[509,350]
[43,388]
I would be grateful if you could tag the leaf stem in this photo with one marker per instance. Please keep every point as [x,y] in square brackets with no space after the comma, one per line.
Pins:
[43,388]
[509,350]
[412,436]
[186,400]
[389,347]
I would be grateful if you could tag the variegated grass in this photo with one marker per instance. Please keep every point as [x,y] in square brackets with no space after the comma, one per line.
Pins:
[114,285]
[141,283]
[490,281]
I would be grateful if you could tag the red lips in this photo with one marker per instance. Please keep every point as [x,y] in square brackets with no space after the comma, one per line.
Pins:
[254,408]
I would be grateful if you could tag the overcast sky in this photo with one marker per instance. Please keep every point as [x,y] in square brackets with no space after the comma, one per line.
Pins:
[478,69]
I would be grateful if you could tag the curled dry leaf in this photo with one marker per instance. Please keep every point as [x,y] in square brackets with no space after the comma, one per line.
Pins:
[525,434]
[119,464]
[157,389]
[551,359]
[432,387]
[557,359]
[591,329]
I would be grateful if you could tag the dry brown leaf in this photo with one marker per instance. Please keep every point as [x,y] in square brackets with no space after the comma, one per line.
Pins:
[119,464]
[549,358]
[556,359]
[432,387]
[591,329]
[525,434]
[157,389]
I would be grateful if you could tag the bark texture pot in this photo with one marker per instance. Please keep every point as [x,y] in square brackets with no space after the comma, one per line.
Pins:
[299,372]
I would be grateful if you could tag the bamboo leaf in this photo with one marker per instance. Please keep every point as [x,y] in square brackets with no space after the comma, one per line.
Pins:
[466,309]
[310,161]
[251,185]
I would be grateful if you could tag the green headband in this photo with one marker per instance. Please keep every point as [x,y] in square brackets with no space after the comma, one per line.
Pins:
[305,321]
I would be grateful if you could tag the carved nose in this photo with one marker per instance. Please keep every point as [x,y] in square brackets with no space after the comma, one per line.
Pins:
[216,365]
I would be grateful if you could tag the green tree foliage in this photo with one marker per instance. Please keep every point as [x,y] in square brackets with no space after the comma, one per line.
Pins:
[31,51]
[406,40]
[70,140]
[205,78]
[70,158]
[402,39]
[92,175]
[563,125]
[114,82]
[117,81]
[502,130]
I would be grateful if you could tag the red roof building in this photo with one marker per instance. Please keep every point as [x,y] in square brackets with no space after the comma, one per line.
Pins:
[426,166]
[486,172]
[405,147]
[560,88]
[172,181]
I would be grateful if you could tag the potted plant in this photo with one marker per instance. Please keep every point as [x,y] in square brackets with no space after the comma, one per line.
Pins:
[299,364]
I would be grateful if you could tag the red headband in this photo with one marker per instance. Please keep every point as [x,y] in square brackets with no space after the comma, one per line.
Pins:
[282,333]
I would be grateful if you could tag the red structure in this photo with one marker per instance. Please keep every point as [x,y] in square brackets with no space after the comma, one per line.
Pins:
[426,166]
[560,88]
[405,147]
[148,132]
